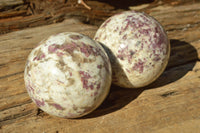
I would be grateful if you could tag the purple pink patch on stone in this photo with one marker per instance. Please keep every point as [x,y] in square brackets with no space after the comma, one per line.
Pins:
[57,106]
[125,53]
[95,93]
[39,57]
[30,88]
[139,66]
[69,47]
[85,49]
[52,48]
[99,66]
[88,50]
[106,22]
[38,102]
[98,86]
[84,79]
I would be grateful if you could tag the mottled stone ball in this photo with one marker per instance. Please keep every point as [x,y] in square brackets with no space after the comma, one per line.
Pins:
[68,75]
[138,48]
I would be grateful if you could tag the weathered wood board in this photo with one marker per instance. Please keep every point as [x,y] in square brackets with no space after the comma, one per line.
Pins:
[169,105]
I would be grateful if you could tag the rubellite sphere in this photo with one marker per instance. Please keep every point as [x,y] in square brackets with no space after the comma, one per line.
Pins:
[138,48]
[68,75]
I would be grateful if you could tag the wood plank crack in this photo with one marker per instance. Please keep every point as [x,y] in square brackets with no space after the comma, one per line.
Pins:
[13,74]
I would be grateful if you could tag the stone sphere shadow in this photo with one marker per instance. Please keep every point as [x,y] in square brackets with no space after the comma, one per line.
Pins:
[179,64]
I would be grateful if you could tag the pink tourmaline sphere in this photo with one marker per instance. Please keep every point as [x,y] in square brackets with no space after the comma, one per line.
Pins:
[138,48]
[68,75]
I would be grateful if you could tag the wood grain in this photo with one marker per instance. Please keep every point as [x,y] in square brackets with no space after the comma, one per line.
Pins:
[169,105]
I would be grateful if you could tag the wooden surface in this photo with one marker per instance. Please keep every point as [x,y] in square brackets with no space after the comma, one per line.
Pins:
[21,14]
[169,105]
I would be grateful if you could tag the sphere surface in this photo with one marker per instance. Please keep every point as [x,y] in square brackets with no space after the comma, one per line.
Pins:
[138,48]
[68,75]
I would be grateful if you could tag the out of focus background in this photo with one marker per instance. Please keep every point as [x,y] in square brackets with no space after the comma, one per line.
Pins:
[169,105]
[20,14]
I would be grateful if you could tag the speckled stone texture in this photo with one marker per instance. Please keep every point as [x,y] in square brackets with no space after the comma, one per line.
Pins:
[68,75]
[138,48]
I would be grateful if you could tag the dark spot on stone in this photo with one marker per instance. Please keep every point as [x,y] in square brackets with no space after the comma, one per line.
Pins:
[156,58]
[98,86]
[124,37]
[77,58]
[120,57]
[123,53]
[99,66]
[75,37]
[61,63]
[126,54]
[196,70]
[131,52]
[168,94]
[138,43]
[88,60]
[116,29]
[71,81]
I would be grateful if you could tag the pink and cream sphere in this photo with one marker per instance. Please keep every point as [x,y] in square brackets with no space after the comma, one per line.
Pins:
[68,75]
[138,48]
